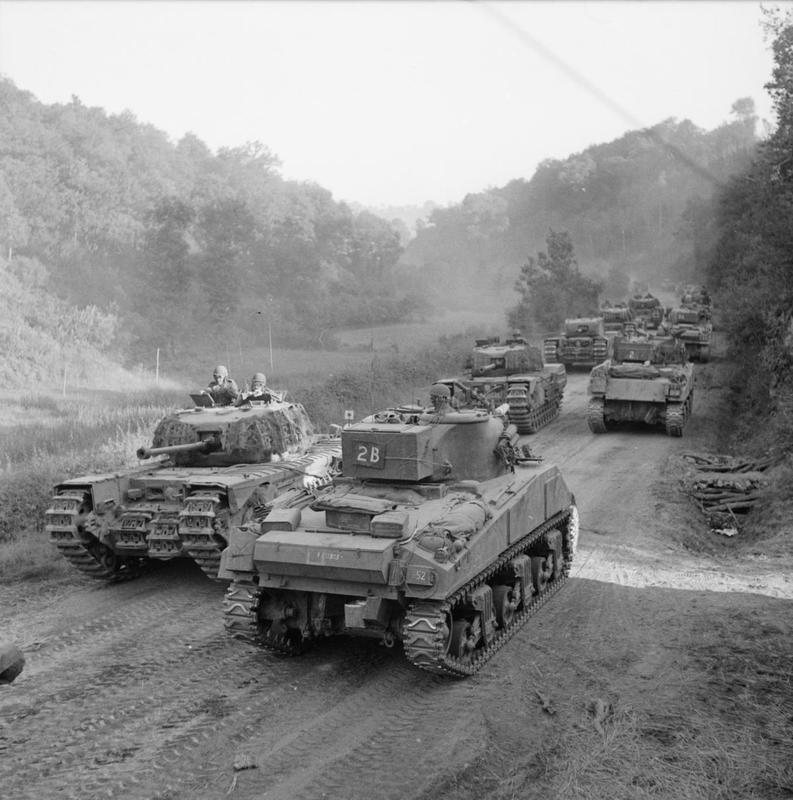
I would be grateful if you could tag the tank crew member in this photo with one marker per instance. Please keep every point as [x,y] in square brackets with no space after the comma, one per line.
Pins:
[222,388]
[258,390]
[440,397]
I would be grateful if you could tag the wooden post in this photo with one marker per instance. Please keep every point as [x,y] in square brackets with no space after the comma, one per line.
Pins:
[270,337]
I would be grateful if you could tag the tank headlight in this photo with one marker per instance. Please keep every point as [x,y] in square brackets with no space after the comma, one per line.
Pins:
[134,494]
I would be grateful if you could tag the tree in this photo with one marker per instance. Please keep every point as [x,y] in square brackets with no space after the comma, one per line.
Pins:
[552,287]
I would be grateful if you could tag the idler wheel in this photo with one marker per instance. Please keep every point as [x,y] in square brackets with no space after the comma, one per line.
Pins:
[107,558]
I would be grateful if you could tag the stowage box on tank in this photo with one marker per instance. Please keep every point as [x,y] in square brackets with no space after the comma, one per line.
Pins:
[216,468]
[441,534]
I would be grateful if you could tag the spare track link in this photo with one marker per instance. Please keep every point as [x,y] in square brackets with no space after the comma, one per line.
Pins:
[82,550]
[197,523]
[549,353]
[424,626]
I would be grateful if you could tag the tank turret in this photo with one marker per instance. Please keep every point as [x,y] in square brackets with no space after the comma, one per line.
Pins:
[442,533]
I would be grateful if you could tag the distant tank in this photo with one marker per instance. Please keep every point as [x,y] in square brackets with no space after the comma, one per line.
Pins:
[691,326]
[695,294]
[511,372]
[647,310]
[647,380]
[617,319]
[582,343]
[442,534]
[216,467]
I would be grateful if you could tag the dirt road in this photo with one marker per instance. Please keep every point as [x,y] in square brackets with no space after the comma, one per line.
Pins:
[662,669]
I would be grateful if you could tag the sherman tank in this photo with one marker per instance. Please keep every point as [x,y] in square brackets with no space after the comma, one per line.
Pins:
[692,327]
[582,343]
[208,469]
[617,319]
[647,310]
[511,372]
[442,534]
[647,380]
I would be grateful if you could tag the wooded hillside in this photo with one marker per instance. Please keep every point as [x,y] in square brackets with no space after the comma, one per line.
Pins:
[180,243]
[636,205]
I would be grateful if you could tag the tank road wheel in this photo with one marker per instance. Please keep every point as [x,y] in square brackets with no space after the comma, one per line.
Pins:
[596,415]
[547,561]
[505,602]
[462,641]
[541,572]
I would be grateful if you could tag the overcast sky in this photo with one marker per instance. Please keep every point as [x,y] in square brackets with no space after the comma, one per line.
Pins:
[394,102]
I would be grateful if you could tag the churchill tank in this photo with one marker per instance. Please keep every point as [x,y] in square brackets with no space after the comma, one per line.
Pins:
[582,343]
[208,469]
[511,372]
[442,535]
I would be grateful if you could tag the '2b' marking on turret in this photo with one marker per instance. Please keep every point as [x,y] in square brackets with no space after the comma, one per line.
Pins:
[369,455]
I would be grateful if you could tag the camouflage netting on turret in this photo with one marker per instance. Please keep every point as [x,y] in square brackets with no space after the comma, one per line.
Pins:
[253,436]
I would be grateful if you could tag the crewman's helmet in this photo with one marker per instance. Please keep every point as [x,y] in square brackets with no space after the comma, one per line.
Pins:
[258,381]
[220,372]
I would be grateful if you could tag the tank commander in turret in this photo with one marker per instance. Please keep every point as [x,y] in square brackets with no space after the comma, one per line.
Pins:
[441,399]
[222,389]
[258,390]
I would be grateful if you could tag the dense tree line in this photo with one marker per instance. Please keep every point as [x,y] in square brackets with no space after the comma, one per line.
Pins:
[635,206]
[750,243]
[183,242]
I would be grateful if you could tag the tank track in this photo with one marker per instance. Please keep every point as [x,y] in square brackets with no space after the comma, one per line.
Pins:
[199,521]
[596,416]
[424,625]
[528,420]
[241,610]
[63,523]
[424,629]
[677,415]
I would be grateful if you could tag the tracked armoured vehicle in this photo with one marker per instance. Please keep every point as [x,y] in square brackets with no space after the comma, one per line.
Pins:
[442,534]
[617,319]
[647,311]
[691,326]
[213,468]
[582,343]
[511,372]
[646,380]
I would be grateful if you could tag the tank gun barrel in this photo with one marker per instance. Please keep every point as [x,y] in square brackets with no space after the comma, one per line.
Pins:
[480,370]
[207,446]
